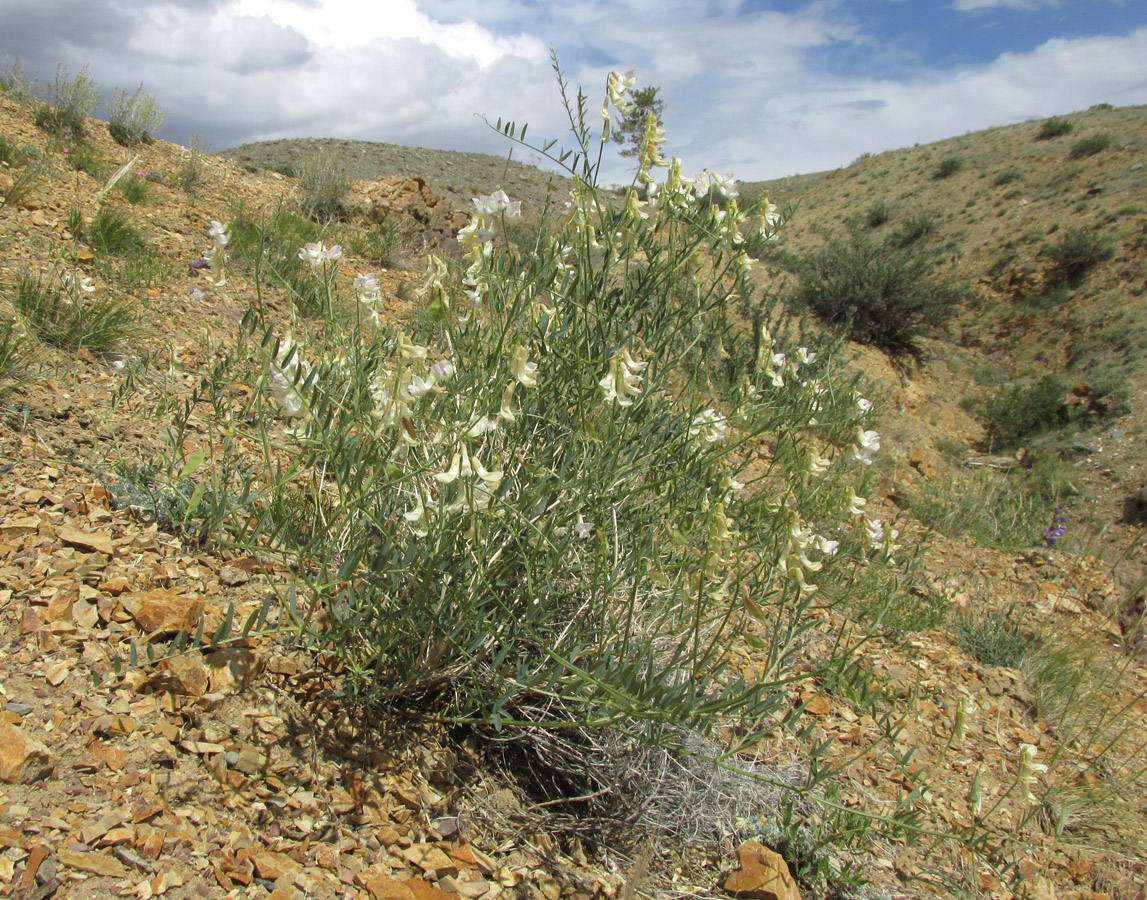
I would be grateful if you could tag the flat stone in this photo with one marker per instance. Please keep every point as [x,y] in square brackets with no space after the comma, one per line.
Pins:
[383,887]
[100,541]
[423,890]
[274,866]
[23,760]
[233,668]
[763,875]
[186,674]
[95,862]
[162,611]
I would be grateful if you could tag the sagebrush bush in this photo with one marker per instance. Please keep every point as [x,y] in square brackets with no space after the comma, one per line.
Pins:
[948,167]
[1076,253]
[69,101]
[1090,145]
[1021,412]
[133,118]
[322,185]
[1008,175]
[14,81]
[878,214]
[1054,127]
[884,293]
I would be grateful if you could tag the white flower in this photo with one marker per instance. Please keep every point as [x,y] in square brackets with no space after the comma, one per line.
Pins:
[582,529]
[864,405]
[622,381]
[317,253]
[856,503]
[806,355]
[525,371]
[507,413]
[408,349]
[218,232]
[827,547]
[709,425]
[775,369]
[497,203]
[867,446]
[818,465]
[414,386]
[442,371]
[881,538]
[617,88]
[1028,770]
[482,426]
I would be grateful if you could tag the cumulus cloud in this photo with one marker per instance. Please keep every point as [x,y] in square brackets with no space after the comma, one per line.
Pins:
[747,90]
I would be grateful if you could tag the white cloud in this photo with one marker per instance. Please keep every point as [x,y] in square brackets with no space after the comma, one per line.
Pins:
[975,5]
[744,92]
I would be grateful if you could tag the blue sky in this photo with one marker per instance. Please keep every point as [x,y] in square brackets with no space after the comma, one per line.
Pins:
[756,88]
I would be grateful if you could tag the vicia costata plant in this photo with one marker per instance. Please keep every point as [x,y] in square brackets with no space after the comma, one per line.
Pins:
[549,491]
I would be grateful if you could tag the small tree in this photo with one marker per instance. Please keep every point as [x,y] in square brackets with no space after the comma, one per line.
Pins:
[631,129]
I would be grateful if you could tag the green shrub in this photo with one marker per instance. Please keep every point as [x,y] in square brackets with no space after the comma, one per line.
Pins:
[1090,145]
[948,167]
[1077,252]
[67,314]
[883,293]
[914,229]
[994,636]
[133,118]
[1008,175]
[322,185]
[1023,412]
[535,521]
[69,102]
[111,232]
[878,214]
[1054,127]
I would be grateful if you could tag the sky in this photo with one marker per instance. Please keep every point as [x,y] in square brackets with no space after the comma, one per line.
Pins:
[756,88]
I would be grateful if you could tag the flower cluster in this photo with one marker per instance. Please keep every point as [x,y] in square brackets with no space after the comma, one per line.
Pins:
[866,447]
[617,88]
[1057,529]
[796,562]
[369,291]
[477,238]
[287,371]
[622,381]
[216,257]
[318,254]
[1028,770]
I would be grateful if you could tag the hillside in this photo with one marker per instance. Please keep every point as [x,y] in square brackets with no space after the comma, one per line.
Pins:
[244,772]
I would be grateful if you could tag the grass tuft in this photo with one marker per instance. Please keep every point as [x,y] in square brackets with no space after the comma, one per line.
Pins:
[62,315]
